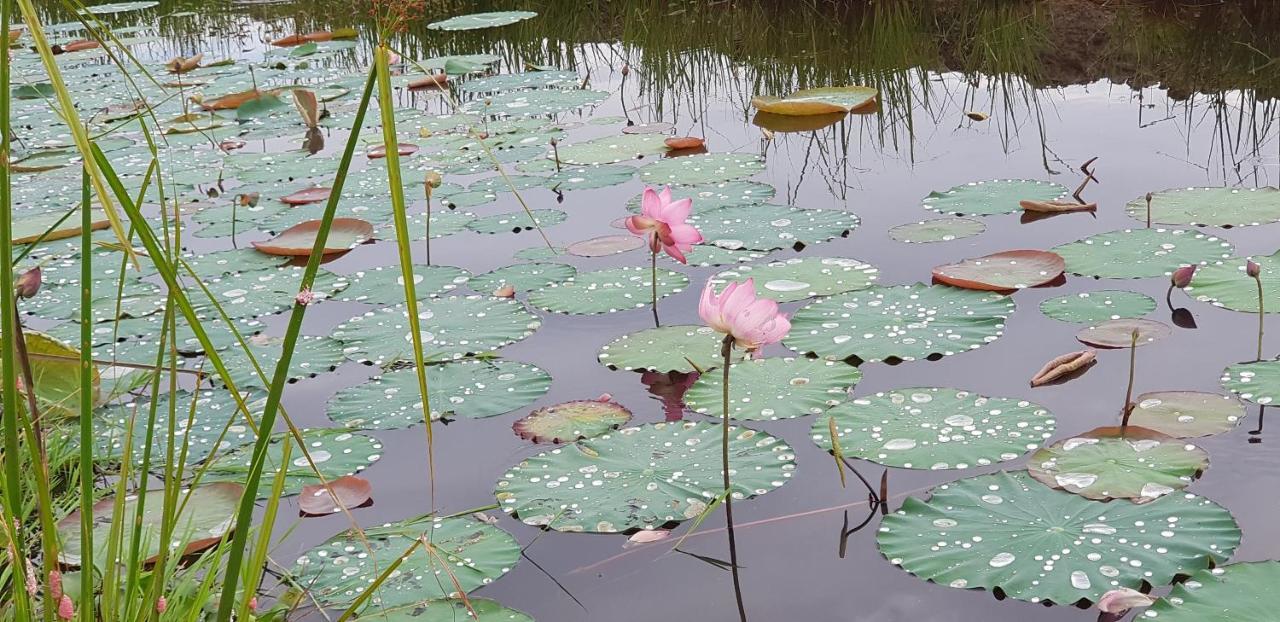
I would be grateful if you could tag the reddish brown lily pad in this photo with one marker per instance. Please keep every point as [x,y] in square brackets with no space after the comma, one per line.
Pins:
[430,81]
[684,142]
[310,195]
[1119,333]
[297,241]
[349,491]
[404,149]
[571,421]
[605,245]
[1008,270]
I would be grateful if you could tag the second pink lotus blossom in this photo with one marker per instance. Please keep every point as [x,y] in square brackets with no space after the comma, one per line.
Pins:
[663,222]
[754,322]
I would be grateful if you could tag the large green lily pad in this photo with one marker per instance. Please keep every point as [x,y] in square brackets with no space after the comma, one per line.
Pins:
[55,372]
[774,388]
[706,168]
[571,421]
[1142,253]
[707,197]
[1243,592]
[384,285]
[935,428]
[937,230]
[907,322]
[771,227]
[466,550]
[1119,463]
[523,80]
[612,149]
[206,422]
[472,389]
[1006,530]
[641,478]
[1209,207]
[311,356]
[795,279]
[523,277]
[1227,285]
[986,198]
[448,610]
[670,348]
[1098,306]
[607,291]
[476,21]
[451,327]
[1186,414]
[535,103]
[335,452]
[1257,382]
[515,222]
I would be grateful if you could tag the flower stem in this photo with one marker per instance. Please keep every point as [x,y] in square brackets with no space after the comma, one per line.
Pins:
[1261,315]
[726,349]
[1128,392]
[653,280]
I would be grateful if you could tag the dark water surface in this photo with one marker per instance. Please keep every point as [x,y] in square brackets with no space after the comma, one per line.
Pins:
[1216,130]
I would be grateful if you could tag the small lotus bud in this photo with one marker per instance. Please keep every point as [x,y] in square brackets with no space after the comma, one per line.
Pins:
[626,69]
[1252,269]
[66,608]
[29,283]
[605,397]
[1149,197]
[433,179]
[554,142]
[506,291]
[161,605]
[1122,600]
[1181,277]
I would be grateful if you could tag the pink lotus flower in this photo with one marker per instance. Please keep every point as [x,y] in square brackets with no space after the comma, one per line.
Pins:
[66,608]
[1122,600]
[1181,277]
[753,322]
[1252,269]
[28,284]
[663,222]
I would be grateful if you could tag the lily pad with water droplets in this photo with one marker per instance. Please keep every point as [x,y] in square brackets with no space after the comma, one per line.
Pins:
[774,388]
[1119,333]
[706,168]
[452,327]
[907,322]
[707,197]
[607,291]
[606,245]
[262,292]
[1227,285]
[467,550]
[1209,207]
[1119,463]
[704,255]
[571,421]
[665,349]
[937,230]
[1098,306]
[534,103]
[384,285]
[199,427]
[1257,382]
[1241,592]
[515,222]
[523,277]
[1003,271]
[1007,531]
[642,477]
[524,80]
[771,227]
[1142,253]
[795,279]
[311,356]
[611,149]
[1186,414]
[935,428]
[471,389]
[986,198]
[448,610]
[335,452]
[476,21]
[589,177]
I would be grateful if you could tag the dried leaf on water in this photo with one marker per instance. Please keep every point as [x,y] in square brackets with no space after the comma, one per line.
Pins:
[183,65]
[349,491]
[1062,366]
[1056,207]
[297,241]
[684,142]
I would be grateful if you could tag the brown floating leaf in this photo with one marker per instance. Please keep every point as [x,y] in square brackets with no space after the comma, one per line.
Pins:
[308,107]
[296,241]
[505,291]
[684,142]
[310,195]
[1119,333]
[404,149]
[1062,366]
[349,491]
[290,41]
[646,536]
[232,100]
[1056,207]
[977,116]
[1004,271]
[82,44]
[430,81]
[319,36]
[183,65]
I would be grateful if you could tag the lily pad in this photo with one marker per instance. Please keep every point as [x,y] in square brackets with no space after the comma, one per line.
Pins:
[55,372]
[523,277]
[311,356]
[476,21]
[571,421]
[774,388]
[1209,207]
[937,230]
[515,222]
[702,169]
[471,389]
[612,149]
[535,103]
[1186,414]
[707,197]
[589,177]
[1119,463]
[817,101]
[1098,306]
[298,240]
[262,292]
[1006,530]
[1257,382]
[906,322]
[607,291]
[1142,253]
[27,229]
[987,198]
[384,285]
[1119,333]
[795,279]
[466,550]
[335,452]
[199,428]
[120,7]
[606,245]
[641,478]
[452,327]
[935,428]
[1003,271]
[1226,285]
[670,348]
[770,227]
[703,255]
[1242,592]
[523,80]
[448,610]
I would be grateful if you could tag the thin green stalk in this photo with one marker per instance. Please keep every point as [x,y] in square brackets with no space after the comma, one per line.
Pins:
[86,404]
[653,277]
[1262,315]
[726,349]
[1128,392]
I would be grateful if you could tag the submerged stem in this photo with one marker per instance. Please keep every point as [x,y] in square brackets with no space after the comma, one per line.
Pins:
[726,349]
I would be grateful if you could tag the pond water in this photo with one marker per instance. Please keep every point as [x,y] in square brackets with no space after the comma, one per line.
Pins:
[1163,97]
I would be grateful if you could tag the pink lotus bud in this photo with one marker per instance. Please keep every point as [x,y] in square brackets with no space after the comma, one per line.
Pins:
[433,179]
[1252,269]
[1122,600]
[1182,276]
[161,605]
[506,291]
[605,397]
[55,584]
[305,297]
[66,608]
[626,69]
[28,284]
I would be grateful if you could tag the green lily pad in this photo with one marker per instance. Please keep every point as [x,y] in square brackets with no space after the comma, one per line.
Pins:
[607,291]
[443,222]
[262,292]
[1186,414]
[770,227]
[589,177]
[1257,382]
[1099,306]
[704,256]
[571,421]
[1242,592]
[937,230]
[906,322]
[515,222]
[1142,253]
[1209,207]
[1119,463]
[56,380]
[452,328]
[120,7]
[795,279]
[199,428]
[523,277]
[476,21]
[935,428]
[612,149]
[448,610]
[523,80]
[535,103]
[665,349]
[1119,333]
[208,514]
[1227,285]
[335,452]
[384,285]
[466,550]
[774,388]
[1006,530]
[707,197]
[471,389]
[540,252]
[606,245]
[311,356]
[987,198]
[706,168]
[641,478]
